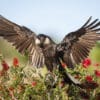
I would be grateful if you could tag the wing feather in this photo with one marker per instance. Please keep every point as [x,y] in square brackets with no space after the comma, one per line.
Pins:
[23,39]
[77,45]
[91,24]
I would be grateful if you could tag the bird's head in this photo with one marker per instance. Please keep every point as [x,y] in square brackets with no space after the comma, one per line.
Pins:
[43,40]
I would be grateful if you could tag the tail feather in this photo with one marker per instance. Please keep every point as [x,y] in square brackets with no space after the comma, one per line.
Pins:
[69,79]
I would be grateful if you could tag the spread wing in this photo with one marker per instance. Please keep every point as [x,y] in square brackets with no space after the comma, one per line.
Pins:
[23,39]
[76,46]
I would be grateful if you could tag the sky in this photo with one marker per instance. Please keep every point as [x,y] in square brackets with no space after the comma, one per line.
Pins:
[55,18]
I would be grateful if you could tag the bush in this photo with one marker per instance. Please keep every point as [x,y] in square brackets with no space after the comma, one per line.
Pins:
[27,83]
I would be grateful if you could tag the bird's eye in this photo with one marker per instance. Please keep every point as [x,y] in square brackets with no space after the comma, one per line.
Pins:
[47,41]
[37,41]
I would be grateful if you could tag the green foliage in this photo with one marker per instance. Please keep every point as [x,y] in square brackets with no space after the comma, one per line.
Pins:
[95,53]
[24,82]
[27,83]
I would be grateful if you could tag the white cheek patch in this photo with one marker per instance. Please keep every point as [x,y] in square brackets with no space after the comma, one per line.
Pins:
[47,41]
[37,41]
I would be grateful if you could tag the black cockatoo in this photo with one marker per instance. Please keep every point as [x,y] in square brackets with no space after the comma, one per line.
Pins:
[42,50]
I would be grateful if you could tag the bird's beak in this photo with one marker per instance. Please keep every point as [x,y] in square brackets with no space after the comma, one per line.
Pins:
[41,45]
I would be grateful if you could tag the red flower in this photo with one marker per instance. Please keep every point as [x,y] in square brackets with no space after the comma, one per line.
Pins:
[77,77]
[15,62]
[97,73]
[86,63]
[62,84]
[5,65]
[34,83]
[89,78]
[64,65]
[11,88]
[97,64]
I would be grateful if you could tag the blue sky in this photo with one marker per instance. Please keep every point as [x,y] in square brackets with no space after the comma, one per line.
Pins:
[55,18]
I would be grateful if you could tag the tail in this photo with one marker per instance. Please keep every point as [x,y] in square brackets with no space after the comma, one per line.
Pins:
[69,79]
